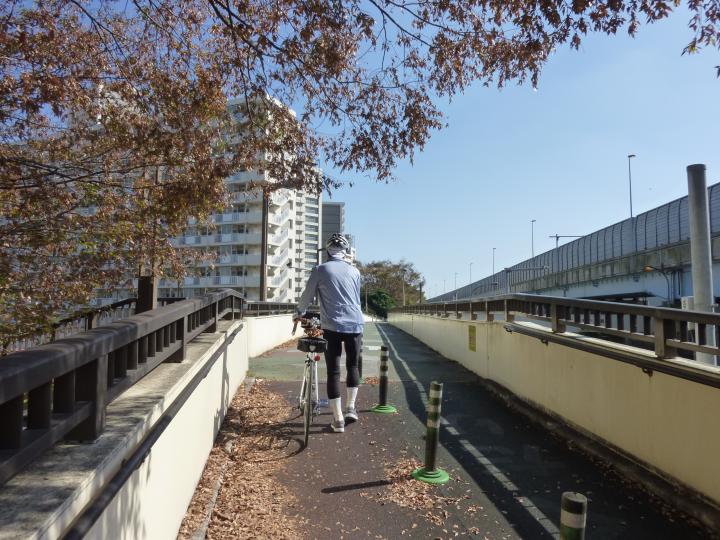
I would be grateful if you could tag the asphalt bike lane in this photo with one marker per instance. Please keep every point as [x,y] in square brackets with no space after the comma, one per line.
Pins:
[507,474]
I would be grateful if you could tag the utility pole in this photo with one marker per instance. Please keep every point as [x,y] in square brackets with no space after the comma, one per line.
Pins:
[471,273]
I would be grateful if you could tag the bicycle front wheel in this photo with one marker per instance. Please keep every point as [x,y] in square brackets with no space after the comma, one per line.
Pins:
[307,412]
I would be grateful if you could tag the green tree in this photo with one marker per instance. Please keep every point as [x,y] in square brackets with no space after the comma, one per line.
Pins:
[394,278]
[380,302]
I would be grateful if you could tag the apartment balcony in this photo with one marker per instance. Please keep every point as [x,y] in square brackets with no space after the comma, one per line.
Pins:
[278,280]
[234,259]
[239,217]
[246,196]
[279,198]
[279,219]
[279,238]
[279,259]
[214,281]
[217,239]
[245,177]
[233,217]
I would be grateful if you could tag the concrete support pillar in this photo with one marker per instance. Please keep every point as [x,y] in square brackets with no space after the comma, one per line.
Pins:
[700,250]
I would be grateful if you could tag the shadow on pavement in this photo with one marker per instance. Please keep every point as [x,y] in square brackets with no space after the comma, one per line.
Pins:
[528,458]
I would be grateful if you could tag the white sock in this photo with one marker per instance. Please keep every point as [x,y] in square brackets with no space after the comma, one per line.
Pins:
[336,406]
[351,395]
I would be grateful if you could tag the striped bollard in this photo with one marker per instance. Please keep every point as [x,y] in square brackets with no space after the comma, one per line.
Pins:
[430,473]
[383,407]
[573,515]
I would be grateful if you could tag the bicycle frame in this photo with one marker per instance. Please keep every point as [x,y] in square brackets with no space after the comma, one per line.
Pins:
[311,360]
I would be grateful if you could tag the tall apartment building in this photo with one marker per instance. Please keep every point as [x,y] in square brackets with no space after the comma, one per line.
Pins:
[235,245]
[333,221]
[235,248]
[308,219]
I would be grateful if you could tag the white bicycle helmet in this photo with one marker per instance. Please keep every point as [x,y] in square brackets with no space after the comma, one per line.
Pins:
[338,241]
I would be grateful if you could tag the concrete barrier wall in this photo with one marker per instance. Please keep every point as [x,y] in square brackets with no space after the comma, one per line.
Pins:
[666,422]
[153,503]
[264,333]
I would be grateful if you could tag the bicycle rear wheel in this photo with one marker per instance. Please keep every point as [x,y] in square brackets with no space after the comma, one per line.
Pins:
[307,412]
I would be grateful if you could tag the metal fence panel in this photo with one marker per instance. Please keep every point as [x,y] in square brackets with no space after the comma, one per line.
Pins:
[714,204]
[651,229]
[674,222]
[640,232]
[662,225]
[684,220]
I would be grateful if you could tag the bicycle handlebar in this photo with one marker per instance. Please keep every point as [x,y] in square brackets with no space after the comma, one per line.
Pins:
[309,321]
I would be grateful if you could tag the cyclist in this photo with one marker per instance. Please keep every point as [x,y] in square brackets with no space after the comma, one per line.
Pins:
[336,284]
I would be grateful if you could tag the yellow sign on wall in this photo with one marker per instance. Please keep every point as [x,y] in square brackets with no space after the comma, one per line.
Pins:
[472,337]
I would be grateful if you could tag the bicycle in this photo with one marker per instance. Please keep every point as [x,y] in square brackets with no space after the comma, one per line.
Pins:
[312,344]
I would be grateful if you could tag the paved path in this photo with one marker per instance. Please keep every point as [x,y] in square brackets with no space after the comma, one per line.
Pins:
[507,473]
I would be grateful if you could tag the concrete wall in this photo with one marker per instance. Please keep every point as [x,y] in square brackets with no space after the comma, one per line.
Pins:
[153,503]
[264,333]
[48,497]
[664,421]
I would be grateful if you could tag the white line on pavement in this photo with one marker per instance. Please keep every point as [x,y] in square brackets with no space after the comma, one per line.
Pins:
[526,503]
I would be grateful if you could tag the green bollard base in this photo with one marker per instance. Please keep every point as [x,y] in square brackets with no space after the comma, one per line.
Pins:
[438,476]
[383,409]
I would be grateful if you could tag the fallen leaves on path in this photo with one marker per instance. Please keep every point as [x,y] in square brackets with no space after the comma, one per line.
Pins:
[238,495]
[407,492]
[290,344]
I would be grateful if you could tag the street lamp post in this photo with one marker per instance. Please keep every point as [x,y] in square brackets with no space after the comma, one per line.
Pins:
[662,270]
[456,275]
[470,275]
[532,238]
[630,156]
[557,237]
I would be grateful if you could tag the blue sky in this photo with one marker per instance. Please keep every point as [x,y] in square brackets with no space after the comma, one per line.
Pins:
[557,155]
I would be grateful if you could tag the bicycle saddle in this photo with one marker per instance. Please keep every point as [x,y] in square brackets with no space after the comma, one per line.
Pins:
[312,345]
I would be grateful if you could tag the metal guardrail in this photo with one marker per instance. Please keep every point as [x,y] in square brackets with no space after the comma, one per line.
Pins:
[60,390]
[256,309]
[667,330]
